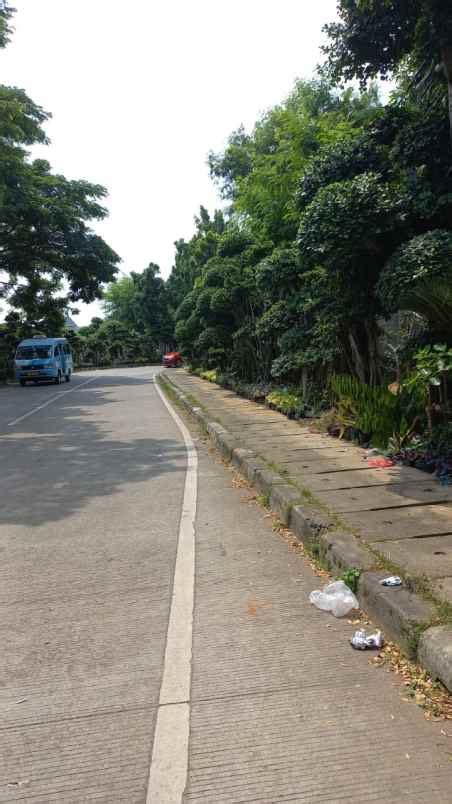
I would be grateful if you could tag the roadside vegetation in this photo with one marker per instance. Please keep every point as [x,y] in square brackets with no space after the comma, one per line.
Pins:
[323,284]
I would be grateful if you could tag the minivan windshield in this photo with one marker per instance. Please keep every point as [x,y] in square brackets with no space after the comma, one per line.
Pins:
[33,352]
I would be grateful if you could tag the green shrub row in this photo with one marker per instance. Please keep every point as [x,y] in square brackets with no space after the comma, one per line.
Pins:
[285,400]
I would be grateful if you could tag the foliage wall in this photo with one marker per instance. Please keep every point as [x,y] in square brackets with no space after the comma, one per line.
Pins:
[338,213]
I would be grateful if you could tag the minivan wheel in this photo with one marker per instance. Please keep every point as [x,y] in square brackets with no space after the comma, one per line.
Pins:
[58,378]
[22,382]
[68,376]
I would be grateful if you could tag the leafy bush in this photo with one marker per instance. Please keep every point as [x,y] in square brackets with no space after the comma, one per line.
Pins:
[432,455]
[210,375]
[287,402]
[381,417]
[257,392]
[432,365]
[254,391]
[425,257]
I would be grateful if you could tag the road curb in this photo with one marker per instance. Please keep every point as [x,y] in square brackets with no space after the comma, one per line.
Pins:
[435,653]
[404,615]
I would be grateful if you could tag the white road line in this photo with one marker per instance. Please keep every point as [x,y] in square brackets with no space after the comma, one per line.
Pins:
[49,401]
[169,764]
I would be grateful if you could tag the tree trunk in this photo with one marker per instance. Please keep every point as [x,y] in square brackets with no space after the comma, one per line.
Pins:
[372,347]
[428,411]
[446,54]
[357,359]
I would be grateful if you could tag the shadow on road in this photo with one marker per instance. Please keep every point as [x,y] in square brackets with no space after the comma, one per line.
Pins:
[88,444]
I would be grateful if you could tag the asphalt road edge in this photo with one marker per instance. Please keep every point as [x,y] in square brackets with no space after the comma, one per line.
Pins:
[405,616]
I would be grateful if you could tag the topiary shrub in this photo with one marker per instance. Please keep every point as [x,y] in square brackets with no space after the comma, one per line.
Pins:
[425,257]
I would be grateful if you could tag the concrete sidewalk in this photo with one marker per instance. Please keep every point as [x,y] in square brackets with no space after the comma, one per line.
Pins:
[377,520]
[282,708]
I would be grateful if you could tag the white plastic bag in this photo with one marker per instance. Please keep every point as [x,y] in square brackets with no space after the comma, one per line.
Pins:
[336,597]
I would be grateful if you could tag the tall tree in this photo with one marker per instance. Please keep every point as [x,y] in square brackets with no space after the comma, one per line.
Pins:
[119,301]
[374,37]
[140,302]
[259,172]
[191,256]
[49,255]
[47,248]
[6,13]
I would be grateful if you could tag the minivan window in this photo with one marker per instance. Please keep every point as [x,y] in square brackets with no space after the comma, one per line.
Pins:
[33,352]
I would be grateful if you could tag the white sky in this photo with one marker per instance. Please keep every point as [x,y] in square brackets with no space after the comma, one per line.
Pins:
[141,90]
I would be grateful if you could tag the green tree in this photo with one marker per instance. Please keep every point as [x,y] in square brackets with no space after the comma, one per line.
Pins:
[152,304]
[191,256]
[353,220]
[140,301]
[45,239]
[49,255]
[6,13]
[374,37]
[260,172]
[328,194]
[119,301]
[418,277]
[217,321]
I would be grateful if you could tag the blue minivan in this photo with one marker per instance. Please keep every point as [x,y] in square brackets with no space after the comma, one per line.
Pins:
[43,359]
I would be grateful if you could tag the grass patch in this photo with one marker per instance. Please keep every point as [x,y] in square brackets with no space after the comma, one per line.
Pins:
[313,549]
[351,576]
[412,634]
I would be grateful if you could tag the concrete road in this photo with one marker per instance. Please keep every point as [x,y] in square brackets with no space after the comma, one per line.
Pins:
[97,680]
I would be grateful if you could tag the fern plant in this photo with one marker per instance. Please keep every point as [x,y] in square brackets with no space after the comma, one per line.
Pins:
[388,419]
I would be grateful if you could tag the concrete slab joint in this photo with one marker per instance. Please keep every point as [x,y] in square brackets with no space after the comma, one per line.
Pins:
[282,499]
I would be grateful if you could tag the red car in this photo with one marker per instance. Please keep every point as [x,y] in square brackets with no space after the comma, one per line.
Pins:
[172,360]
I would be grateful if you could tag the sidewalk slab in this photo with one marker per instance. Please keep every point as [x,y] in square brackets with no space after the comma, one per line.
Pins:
[394,496]
[362,478]
[431,556]
[398,523]
[319,463]
[443,589]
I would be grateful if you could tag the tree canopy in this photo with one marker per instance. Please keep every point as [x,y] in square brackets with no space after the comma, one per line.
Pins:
[375,37]
[337,214]
[334,203]
[6,13]
[50,257]
[140,302]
